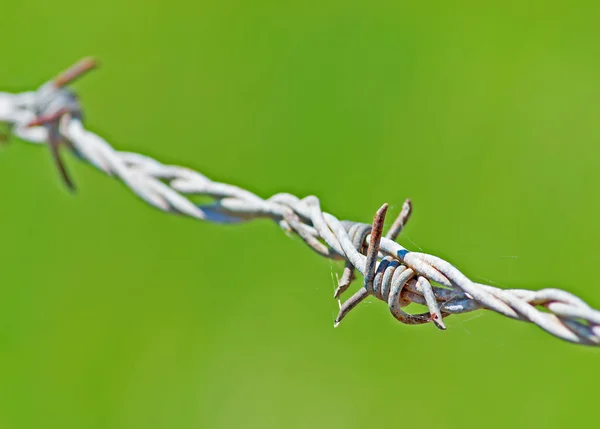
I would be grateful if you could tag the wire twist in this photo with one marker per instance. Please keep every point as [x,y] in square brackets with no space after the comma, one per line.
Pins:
[391,273]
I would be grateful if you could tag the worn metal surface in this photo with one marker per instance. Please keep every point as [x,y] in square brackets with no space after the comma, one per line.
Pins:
[52,115]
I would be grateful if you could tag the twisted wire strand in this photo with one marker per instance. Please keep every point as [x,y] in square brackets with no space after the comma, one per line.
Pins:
[52,115]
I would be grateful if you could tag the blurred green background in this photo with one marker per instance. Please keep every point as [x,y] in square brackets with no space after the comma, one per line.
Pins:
[114,315]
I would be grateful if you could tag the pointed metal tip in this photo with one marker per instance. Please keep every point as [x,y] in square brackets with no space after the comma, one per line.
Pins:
[72,189]
[439,323]
[75,71]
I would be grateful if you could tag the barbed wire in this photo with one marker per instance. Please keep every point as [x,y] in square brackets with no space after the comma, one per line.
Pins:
[52,115]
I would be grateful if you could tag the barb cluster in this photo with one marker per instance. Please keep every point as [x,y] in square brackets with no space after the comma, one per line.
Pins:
[52,115]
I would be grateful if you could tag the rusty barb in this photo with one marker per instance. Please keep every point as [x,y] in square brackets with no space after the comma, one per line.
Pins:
[387,278]
[53,103]
[391,273]
[75,71]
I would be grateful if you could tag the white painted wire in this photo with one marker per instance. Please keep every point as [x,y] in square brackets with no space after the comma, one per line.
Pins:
[393,273]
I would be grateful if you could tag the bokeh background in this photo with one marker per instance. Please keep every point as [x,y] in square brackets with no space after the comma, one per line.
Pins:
[114,315]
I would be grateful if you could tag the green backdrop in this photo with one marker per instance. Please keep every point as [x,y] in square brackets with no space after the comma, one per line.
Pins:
[114,315]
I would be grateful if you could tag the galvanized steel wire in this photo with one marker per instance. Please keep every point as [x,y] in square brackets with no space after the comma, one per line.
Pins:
[52,115]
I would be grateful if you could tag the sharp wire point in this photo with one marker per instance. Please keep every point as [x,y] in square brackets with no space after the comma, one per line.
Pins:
[75,71]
